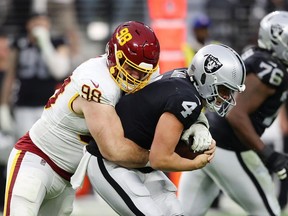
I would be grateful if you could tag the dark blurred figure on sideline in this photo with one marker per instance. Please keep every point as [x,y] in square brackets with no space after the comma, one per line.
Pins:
[6,139]
[199,37]
[40,64]
[64,22]
[283,187]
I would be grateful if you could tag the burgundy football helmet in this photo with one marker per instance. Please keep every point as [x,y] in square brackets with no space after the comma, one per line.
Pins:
[133,45]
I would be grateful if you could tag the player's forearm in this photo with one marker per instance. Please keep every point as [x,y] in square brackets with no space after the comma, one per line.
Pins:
[109,136]
[175,163]
[136,160]
[128,155]
[57,60]
[251,139]
[246,132]
[58,64]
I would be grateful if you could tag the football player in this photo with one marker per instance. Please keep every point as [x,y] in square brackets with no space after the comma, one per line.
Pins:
[242,163]
[155,118]
[43,160]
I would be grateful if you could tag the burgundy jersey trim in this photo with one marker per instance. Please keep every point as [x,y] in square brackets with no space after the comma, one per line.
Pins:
[11,183]
[25,143]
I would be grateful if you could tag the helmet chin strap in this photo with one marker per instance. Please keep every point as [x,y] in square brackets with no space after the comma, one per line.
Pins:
[213,107]
[211,103]
[221,110]
[216,107]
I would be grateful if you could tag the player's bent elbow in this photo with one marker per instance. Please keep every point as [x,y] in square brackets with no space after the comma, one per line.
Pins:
[113,158]
[110,155]
[156,163]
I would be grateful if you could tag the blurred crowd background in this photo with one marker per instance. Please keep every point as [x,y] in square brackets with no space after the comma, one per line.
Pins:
[88,23]
[182,26]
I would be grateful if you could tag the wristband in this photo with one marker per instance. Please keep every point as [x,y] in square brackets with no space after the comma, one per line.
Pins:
[266,152]
[202,120]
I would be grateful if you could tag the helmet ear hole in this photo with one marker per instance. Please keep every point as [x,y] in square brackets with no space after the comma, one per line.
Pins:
[203,78]
[119,55]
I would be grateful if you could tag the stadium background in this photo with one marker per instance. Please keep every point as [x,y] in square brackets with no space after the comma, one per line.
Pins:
[234,23]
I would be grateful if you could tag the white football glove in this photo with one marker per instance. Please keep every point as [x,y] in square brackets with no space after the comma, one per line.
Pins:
[6,119]
[58,63]
[202,138]
[41,33]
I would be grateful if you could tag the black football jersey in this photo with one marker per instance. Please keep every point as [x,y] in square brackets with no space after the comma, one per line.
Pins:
[271,72]
[36,82]
[170,92]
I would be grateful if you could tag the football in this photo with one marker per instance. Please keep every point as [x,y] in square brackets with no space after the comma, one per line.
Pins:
[184,151]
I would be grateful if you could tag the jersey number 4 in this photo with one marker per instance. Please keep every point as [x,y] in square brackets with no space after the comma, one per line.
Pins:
[53,99]
[188,108]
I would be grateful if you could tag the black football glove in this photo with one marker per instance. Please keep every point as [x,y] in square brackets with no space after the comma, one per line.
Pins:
[275,162]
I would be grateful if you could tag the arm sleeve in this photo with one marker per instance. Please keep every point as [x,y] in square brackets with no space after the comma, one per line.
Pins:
[58,62]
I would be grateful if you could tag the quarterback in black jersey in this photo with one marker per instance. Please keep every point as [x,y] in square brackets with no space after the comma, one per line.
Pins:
[155,118]
[242,163]
[178,96]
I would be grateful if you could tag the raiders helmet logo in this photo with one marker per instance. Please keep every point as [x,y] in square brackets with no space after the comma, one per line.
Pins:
[276,31]
[211,64]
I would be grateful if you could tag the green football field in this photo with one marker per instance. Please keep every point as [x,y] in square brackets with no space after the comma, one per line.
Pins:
[222,213]
[95,206]
[91,205]
[229,208]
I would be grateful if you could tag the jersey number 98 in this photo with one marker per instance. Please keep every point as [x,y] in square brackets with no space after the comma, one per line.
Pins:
[91,94]
[124,36]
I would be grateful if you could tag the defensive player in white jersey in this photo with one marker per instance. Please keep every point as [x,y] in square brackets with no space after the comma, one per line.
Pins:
[155,118]
[43,160]
[242,163]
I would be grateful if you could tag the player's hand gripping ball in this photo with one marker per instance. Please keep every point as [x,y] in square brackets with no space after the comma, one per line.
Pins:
[202,138]
[185,151]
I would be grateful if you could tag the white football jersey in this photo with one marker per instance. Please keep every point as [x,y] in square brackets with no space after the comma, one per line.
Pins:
[60,132]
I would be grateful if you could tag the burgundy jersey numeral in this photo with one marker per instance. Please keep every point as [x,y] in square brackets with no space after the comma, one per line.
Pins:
[53,99]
